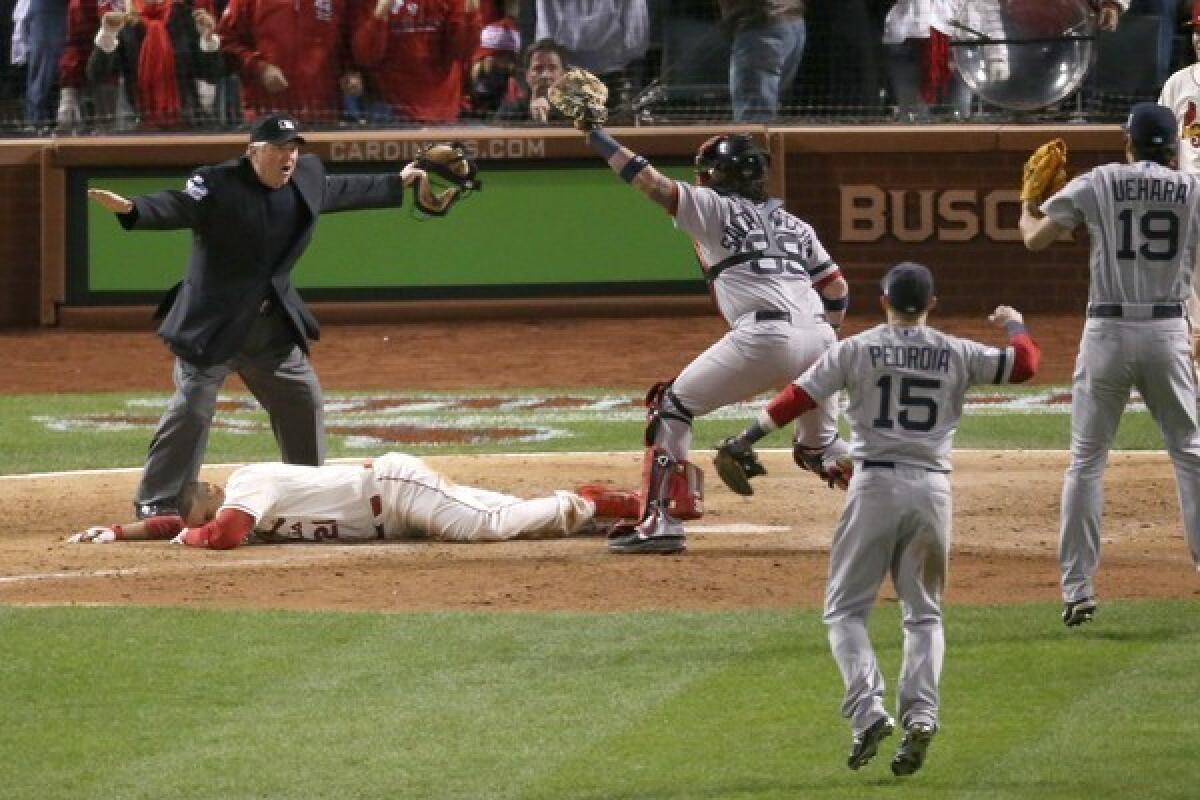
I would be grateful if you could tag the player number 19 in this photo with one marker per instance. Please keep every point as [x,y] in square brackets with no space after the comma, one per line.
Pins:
[1159,231]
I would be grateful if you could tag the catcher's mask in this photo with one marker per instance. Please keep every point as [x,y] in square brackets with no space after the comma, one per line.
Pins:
[734,163]
[452,176]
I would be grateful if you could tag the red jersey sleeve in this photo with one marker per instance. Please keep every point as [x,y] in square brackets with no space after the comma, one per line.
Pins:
[227,531]
[789,404]
[1027,357]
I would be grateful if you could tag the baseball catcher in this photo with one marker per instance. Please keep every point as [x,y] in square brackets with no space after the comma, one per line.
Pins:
[449,176]
[1045,172]
[762,265]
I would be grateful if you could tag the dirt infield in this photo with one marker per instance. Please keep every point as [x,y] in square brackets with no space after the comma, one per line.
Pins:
[1005,517]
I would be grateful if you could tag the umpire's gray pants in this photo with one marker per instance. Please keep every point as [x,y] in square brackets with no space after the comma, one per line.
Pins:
[279,376]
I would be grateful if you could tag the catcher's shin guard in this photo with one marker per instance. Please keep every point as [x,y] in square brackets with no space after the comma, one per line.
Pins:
[674,487]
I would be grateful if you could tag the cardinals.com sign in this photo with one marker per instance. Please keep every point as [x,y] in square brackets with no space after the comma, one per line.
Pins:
[869,213]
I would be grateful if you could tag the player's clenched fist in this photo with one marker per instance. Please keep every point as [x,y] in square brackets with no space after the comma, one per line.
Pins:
[1005,314]
[110,200]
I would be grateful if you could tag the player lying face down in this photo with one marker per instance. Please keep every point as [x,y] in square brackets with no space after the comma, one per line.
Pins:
[396,496]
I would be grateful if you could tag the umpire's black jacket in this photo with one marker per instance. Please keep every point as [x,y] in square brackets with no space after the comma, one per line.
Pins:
[206,317]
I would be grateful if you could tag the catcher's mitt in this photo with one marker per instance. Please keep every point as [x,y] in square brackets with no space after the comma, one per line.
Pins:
[452,176]
[736,464]
[580,97]
[1045,171]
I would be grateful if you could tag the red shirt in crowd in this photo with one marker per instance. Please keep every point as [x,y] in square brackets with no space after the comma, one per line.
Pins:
[414,59]
[83,22]
[303,38]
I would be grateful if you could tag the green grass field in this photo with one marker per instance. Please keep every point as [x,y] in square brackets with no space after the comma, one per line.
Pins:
[80,431]
[146,703]
[175,703]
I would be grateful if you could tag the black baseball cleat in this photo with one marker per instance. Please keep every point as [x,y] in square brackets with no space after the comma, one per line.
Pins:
[161,508]
[866,744]
[657,533]
[1078,612]
[736,464]
[910,755]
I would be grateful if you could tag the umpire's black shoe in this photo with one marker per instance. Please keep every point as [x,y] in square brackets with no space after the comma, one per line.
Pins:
[910,755]
[160,508]
[866,744]
[1079,612]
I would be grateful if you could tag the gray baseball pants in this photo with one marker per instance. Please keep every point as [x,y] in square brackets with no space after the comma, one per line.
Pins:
[276,372]
[1116,355]
[752,358]
[896,521]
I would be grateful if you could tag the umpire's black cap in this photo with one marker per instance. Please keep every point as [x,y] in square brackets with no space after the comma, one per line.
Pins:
[1151,125]
[908,287]
[276,129]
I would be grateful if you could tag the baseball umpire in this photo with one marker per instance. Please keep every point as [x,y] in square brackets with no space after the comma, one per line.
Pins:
[1144,220]
[236,309]
[762,265]
[395,496]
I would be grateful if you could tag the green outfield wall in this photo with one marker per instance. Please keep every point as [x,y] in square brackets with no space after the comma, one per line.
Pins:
[570,226]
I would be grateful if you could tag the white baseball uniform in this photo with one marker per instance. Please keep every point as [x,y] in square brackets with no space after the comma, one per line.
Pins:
[1144,223]
[399,496]
[906,387]
[1181,94]
[761,264]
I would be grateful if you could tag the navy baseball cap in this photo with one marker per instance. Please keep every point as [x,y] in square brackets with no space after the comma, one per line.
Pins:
[1151,125]
[276,129]
[908,287]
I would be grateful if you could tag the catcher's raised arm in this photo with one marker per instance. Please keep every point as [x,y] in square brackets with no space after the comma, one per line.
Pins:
[580,96]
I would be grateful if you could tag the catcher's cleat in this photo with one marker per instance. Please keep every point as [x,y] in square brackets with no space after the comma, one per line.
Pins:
[736,464]
[657,533]
[612,503]
[910,755]
[1078,612]
[866,744]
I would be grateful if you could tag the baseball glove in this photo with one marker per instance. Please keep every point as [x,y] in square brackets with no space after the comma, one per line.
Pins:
[736,464]
[580,97]
[452,175]
[836,469]
[1045,172]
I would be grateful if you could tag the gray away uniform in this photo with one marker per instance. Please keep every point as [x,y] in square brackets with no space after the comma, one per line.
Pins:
[906,387]
[1142,219]
[761,263]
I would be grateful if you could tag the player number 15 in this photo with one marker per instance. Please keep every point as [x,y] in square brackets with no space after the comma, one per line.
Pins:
[916,413]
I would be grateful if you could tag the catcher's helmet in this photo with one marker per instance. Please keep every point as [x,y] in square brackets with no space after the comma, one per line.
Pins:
[734,163]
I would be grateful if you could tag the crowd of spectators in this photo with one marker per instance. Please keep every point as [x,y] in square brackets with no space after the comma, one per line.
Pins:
[123,65]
